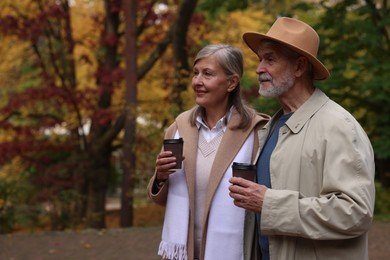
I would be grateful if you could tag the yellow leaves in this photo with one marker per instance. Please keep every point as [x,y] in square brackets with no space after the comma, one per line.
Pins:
[13,55]
[8,7]
[5,136]
[86,31]
[154,90]
[12,170]
[229,29]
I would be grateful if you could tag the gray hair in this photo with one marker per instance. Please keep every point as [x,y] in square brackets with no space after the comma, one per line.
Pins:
[228,57]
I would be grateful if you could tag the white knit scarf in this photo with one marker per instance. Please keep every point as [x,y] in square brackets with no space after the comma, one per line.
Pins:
[226,221]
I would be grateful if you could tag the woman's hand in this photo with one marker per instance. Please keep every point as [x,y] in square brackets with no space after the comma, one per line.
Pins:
[164,164]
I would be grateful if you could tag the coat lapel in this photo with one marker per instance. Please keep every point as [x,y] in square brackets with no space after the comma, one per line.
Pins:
[190,135]
[231,143]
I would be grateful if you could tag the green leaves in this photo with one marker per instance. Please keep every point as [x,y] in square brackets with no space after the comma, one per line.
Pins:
[355,46]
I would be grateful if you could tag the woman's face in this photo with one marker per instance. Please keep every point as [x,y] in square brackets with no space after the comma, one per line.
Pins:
[211,85]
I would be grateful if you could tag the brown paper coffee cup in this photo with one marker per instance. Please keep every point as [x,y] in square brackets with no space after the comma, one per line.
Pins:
[176,147]
[244,170]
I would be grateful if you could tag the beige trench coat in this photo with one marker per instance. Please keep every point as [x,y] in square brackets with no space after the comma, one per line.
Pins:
[322,174]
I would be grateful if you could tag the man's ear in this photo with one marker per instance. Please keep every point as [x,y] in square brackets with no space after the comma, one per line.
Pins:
[302,66]
[233,82]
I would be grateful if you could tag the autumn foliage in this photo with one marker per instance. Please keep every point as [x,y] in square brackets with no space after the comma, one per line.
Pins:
[62,105]
[63,92]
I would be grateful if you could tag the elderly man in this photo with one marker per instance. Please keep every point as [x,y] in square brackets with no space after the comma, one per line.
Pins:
[314,196]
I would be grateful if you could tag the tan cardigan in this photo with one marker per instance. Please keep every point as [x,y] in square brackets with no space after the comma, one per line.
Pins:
[230,145]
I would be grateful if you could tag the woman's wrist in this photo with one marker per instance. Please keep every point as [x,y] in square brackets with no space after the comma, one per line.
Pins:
[160,182]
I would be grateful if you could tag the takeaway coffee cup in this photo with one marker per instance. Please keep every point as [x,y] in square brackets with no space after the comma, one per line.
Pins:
[244,170]
[176,147]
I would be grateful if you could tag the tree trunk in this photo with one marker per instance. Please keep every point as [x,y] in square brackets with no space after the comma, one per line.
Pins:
[129,142]
[182,69]
[98,179]
[100,145]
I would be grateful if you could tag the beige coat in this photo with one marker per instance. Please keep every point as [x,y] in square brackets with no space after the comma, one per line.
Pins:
[229,147]
[322,174]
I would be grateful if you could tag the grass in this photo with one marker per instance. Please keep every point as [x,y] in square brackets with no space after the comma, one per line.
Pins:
[382,202]
[145,215]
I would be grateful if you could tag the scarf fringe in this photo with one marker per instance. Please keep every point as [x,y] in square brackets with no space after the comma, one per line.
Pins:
[172,251]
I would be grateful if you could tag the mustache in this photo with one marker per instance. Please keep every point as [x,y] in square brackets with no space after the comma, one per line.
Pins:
[264,77]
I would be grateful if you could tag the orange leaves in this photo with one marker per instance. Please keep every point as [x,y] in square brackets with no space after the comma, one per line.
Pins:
[8,24]
[29,26]
[27,98]
[110,40]
[103,116]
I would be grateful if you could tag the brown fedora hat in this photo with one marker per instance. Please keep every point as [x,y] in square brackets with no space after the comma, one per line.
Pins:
[296,35]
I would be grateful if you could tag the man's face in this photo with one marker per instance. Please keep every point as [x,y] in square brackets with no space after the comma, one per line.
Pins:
[275,72]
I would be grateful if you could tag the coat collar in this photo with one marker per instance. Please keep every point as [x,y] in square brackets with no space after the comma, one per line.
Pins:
[307,110]
[304,112]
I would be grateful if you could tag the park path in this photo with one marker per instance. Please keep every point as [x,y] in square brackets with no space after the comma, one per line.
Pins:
[136,243]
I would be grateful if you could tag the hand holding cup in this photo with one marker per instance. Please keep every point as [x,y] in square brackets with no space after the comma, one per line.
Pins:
[244,170]
[176,147]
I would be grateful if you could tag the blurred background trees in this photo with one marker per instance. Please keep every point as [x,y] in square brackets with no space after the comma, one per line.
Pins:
[64,94]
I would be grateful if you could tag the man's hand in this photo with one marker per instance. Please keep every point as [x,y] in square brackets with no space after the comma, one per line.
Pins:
[247,194]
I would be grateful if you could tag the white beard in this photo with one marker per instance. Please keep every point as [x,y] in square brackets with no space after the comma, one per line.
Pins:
[278,87]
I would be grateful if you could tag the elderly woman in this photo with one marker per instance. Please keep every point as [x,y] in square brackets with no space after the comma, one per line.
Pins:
[201,221]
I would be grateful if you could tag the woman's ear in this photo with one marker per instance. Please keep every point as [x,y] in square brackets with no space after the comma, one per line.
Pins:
[233,82]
